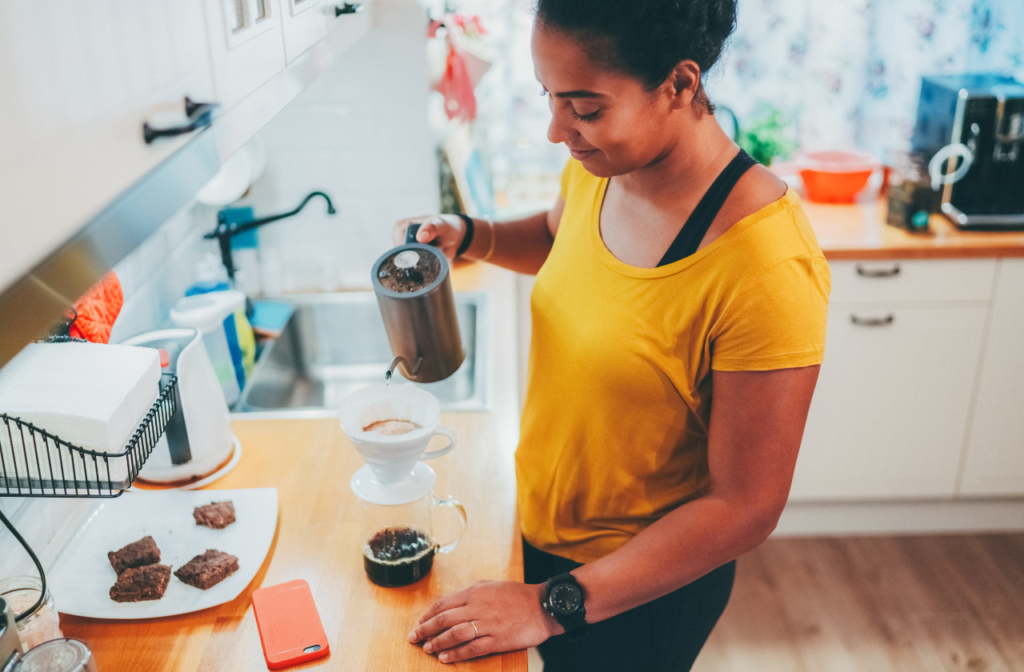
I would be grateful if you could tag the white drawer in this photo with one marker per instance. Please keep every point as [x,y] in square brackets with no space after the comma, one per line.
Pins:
[913,280]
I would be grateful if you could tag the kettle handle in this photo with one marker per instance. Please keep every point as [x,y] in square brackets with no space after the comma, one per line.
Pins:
[441,451]
[410,235]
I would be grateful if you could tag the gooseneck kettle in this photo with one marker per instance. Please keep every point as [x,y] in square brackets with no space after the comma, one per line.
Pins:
[414,292]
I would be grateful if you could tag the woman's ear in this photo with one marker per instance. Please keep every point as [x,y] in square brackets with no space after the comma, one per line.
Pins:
[684,83]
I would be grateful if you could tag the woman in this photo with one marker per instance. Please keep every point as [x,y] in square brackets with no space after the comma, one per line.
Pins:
[678,324]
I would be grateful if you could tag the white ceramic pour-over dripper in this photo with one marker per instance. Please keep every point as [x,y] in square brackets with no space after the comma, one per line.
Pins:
[392,458]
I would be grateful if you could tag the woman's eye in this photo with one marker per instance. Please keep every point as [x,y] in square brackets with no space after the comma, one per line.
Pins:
[586,117]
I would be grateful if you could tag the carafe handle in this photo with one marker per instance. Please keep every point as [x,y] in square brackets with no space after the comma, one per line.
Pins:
[457,505]
[429,455]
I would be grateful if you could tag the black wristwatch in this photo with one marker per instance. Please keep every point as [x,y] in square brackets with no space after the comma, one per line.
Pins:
[564,602]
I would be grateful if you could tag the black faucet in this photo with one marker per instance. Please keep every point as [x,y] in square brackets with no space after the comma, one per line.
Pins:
[225,232]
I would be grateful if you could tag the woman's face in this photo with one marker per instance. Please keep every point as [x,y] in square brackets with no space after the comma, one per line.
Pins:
[607,119]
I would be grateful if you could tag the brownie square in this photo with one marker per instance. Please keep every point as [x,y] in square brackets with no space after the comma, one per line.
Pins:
[141,583]
[136,554]
[207,570]
[217,515]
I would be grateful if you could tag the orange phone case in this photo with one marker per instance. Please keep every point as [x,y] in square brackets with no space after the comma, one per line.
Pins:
[289,624]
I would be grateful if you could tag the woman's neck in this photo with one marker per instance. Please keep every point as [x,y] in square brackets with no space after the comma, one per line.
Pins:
[699,152]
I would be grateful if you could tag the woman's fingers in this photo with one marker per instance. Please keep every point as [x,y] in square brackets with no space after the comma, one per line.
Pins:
[439,623]
[508,616]
[398,233]
[481,646]
[457,634]
[447,602]
[428,231]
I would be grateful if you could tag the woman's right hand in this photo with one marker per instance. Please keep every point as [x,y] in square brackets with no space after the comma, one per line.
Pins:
[445,231]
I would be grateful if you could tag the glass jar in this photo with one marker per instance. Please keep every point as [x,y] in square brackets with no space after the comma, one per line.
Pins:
[398,542]
[58,655]
[43,624]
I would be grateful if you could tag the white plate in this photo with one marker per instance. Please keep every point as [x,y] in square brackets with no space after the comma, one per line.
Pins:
[81,578]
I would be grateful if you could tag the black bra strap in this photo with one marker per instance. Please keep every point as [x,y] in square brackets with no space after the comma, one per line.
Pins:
[695,228]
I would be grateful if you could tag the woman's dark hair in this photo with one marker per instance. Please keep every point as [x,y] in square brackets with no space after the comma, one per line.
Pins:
[645,38]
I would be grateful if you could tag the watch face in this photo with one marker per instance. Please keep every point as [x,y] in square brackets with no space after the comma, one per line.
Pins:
[565,598]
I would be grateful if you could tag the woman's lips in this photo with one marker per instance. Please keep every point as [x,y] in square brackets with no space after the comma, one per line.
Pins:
[579,155]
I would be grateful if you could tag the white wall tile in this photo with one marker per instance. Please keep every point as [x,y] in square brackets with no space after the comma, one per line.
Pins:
[360,133]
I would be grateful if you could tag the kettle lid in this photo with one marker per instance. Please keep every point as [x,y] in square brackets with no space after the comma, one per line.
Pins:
[409,270]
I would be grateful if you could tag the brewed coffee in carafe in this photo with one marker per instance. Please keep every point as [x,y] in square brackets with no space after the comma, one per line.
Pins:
[395,488]
[398,543]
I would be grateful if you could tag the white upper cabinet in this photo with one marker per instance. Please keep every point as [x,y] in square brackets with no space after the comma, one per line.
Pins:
[78,81]
[994,463]
[304,23]
[889,414]
[246,45]
[342,14]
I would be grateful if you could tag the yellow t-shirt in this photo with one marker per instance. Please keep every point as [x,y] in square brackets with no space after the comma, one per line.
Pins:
[615,425]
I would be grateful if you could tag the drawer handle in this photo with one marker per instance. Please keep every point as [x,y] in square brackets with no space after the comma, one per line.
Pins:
[347,8]
[878,272]
[872,321]
[200,115]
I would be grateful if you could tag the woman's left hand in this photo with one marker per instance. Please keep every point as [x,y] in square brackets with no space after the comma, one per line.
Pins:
[508,617]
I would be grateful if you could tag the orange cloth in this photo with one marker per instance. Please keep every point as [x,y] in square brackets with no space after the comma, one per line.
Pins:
[97,310]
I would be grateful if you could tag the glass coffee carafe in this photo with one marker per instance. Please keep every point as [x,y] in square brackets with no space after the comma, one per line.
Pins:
[398,541]
[395,488]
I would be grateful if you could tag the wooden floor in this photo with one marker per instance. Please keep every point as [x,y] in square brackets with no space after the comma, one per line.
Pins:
[875,604]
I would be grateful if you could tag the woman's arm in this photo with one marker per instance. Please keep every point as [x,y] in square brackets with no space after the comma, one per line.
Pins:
[520,245]
[757,422]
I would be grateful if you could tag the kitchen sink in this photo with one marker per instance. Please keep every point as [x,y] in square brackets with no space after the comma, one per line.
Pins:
[336,343]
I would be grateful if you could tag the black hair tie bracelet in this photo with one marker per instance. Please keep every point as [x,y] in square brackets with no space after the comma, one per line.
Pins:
[467,239]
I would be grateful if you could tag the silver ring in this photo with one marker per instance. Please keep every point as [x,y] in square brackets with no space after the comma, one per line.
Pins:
[476,633]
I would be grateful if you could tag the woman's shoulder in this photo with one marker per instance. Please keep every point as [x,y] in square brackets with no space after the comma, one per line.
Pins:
[770,226]
[757,189]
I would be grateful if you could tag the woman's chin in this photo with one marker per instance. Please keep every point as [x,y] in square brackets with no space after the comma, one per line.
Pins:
[594,164]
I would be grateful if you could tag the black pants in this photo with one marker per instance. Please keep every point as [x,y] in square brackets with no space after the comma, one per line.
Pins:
[664,635]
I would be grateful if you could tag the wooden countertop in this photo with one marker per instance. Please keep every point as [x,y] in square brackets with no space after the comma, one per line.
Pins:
[310,463]
[859,231]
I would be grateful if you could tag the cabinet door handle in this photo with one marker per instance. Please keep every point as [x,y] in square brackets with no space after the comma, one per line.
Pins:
[872,321]
[878,272]
[199,115]
[347,8]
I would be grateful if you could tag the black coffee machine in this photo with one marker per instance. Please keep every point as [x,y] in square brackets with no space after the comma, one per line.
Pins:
[980,119]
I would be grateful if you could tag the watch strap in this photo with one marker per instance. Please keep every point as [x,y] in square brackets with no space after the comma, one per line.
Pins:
[467,239]
[575,624]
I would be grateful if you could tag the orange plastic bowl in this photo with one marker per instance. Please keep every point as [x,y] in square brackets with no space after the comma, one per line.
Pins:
[835,177]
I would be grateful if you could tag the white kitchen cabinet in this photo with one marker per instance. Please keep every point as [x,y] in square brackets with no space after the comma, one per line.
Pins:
[890,410]
[304,23]
[246,45]
[78,80]
[341,14]
[994,460]
[912,280]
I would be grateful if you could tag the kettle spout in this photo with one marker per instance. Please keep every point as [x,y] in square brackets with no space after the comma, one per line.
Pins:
[413,371]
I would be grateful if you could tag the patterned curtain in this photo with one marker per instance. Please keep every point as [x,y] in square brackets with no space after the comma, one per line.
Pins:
[847,72]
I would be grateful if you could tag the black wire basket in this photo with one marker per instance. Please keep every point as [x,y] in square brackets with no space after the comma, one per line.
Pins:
[35,463]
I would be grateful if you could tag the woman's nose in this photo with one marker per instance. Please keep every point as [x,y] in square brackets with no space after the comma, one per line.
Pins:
[558,130]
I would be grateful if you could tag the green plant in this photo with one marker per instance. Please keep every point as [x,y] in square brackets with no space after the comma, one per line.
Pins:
[764,138]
